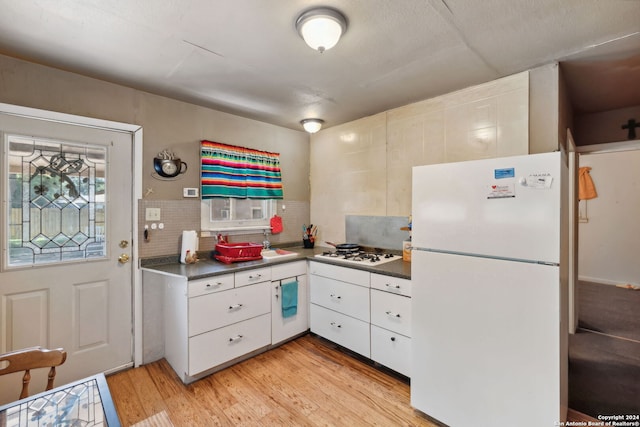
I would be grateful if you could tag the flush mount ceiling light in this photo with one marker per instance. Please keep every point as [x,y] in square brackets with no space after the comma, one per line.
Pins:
[312,125]
[321,28]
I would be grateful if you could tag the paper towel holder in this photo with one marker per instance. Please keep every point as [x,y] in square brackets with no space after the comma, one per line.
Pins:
[189,247]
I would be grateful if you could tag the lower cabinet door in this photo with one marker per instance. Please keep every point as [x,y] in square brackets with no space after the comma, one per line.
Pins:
[391,350]
[283,328]
[341,329]
[221,345]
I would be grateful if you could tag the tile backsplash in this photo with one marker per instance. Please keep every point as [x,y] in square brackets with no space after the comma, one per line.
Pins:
[179,215]
[377,231]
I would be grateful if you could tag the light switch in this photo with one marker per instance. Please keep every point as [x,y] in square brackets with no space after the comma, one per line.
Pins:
[152,214]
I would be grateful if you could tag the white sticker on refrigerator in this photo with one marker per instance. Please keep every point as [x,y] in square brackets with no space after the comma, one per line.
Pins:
[539,181]
[502,191]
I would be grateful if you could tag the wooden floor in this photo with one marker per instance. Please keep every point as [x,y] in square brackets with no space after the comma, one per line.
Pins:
[306,382]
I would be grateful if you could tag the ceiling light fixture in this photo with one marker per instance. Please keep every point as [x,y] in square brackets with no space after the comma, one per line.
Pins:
[321,28]
[312,125]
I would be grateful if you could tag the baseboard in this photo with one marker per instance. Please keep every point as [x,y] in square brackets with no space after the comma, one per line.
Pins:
[600,280]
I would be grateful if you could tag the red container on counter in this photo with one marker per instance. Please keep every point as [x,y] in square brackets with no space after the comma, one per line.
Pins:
[235,252]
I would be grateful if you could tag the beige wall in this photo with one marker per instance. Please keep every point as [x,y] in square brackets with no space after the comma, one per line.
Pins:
[167,124]
[364,167]
[544,128]
[565,111]
[606,126]
[609,244]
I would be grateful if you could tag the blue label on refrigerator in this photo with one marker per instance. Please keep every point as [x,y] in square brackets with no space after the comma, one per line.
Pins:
[504,173]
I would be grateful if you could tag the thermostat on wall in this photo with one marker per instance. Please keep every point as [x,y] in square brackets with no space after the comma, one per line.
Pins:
[190,192]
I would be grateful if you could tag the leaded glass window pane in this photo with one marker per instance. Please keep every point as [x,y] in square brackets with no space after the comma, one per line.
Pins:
[56,201]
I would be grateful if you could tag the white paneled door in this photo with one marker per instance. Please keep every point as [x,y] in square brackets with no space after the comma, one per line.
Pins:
[66,277]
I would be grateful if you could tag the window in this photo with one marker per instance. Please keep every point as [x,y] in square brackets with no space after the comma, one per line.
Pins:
[228,213]
[239,187]
[56,201]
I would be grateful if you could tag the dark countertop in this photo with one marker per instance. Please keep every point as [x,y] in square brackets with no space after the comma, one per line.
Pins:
[210,267]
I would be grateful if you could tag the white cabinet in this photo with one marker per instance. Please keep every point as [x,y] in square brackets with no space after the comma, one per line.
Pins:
[394,285]
[215,321]
[343,297]
[391,350]
[391,322]
[213,311]
[221,345]
[343,274]
[256,275]
[210,284]
[341,329]
[283,328]
[368,313]
[392,312]
[340,309]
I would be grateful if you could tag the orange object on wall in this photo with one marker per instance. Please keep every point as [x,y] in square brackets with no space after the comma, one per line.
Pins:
[276,224]
[586,187]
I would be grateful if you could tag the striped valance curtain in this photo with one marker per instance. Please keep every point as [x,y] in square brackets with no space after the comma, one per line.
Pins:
[238,172]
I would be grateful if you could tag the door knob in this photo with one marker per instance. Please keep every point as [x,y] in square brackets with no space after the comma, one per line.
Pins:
[123,259]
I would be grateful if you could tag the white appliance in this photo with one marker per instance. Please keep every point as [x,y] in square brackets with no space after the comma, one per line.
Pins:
[489,341]
[361,258]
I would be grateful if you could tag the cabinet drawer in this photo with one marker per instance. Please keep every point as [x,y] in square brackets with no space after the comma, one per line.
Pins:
[290,269]
[395,285]
[392,312]
[344,274]
[216,347]
[249,277]
[344,330]
[210,284]
[212,311]
[391,350]
[343,297]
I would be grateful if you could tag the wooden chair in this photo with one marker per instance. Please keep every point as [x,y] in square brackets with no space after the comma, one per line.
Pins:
[33,358]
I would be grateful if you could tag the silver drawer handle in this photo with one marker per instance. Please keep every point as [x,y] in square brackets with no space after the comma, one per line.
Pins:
[236,338]
[257,276]
[335,296]
[209,285]
[389,313]
[235,306]
[337,325]
[389,285]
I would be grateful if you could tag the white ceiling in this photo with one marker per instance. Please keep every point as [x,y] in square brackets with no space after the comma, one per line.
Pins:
[245,56]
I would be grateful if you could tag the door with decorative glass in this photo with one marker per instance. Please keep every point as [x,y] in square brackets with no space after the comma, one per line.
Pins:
[65,279]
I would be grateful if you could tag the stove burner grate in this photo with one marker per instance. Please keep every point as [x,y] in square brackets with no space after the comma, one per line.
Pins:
[359,256]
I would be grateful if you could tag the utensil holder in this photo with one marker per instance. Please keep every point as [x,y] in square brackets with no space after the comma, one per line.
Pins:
[307,243]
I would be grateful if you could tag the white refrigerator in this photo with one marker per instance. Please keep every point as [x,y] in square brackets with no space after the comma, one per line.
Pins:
[489,293]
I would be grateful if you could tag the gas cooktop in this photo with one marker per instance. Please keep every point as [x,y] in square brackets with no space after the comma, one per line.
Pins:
[362,258]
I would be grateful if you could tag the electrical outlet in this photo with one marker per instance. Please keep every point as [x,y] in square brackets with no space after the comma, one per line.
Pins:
[152,214]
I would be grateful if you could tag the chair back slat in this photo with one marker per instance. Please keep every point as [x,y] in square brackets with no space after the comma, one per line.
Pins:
[33,358]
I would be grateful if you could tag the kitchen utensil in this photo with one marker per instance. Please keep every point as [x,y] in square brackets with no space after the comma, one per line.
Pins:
[345,247]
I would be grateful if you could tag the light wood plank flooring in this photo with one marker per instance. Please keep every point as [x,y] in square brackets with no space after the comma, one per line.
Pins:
[306,382]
